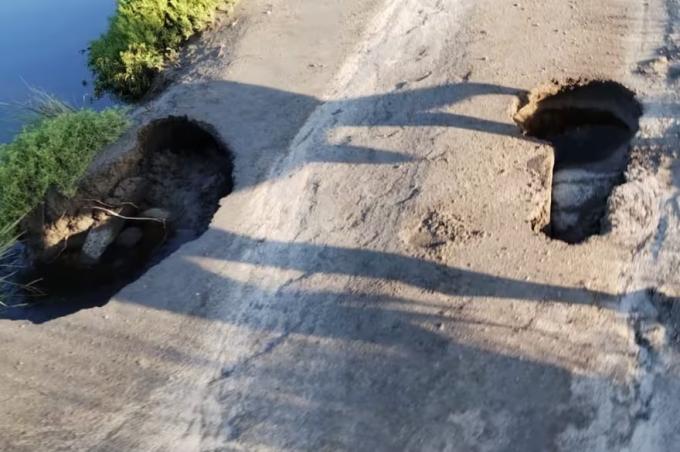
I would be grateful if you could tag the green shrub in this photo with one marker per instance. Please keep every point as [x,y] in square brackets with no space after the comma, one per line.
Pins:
[54,151]
[142,35]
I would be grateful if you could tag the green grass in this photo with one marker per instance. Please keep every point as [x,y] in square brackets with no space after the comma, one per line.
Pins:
[52,151]
[142,36]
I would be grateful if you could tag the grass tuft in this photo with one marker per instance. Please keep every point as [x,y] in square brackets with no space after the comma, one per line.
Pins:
[7,240]
[142,36]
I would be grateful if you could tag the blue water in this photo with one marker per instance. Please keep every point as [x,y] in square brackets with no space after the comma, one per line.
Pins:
[42,45]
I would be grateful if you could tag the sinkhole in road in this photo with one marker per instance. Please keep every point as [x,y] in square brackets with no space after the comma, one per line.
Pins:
[590,125]
[126,217]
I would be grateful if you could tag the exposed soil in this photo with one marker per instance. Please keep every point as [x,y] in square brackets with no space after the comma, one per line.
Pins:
[127,217]
[590,125]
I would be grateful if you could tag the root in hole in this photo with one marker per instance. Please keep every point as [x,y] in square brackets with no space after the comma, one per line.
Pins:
[129,213]
[589,125]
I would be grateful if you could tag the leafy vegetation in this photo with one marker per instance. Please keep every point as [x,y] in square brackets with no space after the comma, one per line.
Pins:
[53,151]
[142,36]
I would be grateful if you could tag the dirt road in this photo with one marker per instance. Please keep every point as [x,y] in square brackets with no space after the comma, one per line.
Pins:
[374,282]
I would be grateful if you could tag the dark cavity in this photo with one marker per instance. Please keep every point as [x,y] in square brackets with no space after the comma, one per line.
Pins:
[589,125]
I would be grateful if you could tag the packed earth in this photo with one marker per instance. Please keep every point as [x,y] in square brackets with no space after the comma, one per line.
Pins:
[432,225]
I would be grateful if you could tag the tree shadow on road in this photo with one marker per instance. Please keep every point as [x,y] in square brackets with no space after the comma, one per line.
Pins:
[364,370]
[261,126]
[330,370]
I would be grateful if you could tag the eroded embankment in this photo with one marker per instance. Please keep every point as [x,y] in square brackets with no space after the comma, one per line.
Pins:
[128,214]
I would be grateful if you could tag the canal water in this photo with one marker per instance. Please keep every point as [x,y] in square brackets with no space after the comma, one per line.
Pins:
[43,45]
